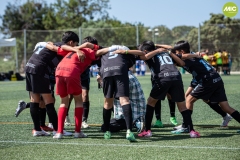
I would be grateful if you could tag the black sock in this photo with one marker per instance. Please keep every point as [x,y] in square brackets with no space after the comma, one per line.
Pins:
[187,119]
[127,112]
[149,117]
[106,118]
[217,108]
[68,107]
[34,111]
[42,116]
[157,109]
[236,116]
[52,115]
[28,105]
[85,110]
[172,107]
[190,112]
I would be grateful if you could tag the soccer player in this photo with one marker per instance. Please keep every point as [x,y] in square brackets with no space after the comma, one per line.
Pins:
[218,56]
[37,79]
[137,100]
[225,62]
[210,86]
[68,74]
[167,79]
[114,70]
[85,83]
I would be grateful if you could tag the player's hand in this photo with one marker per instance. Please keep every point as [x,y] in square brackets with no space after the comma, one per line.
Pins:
[120,51]
[198,55]
[162,50]
[81,56]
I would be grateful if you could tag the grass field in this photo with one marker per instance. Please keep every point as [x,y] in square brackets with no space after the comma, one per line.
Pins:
[16,141]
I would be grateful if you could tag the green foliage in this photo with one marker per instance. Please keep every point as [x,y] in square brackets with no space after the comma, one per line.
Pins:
[218,33]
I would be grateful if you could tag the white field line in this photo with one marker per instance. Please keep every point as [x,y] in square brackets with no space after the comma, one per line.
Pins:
[124,145]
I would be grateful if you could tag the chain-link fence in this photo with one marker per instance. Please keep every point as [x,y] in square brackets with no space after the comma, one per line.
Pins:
[211,38]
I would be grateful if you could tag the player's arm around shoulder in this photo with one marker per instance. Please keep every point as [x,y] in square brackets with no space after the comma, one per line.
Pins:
[177,59]
[189,55]
[153,53]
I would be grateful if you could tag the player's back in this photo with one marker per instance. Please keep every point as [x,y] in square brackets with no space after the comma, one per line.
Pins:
[71,66]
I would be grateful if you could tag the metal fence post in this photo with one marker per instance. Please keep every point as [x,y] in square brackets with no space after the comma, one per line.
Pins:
[199,39]
[80,35]
[25,47]
[137,35]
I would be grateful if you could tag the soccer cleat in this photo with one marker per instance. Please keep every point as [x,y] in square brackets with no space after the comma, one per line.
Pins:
[158,124]
[79,135]
[85,125]
[65,133]
[226,120]
[20,108]
[194,134]
[173,121]
[145,134]
[46,128]
[40,133]
[50,125]
[177,127]
[130,136]
[58,136]
[67,121]
[139,124]
[107,135]
[179,131]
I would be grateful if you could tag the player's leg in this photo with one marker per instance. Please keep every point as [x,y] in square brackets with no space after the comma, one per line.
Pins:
[108,91]
[176,92]
[157,110]
[86,105]
[122,91]
[62,112]
[172,108]
[234,113]
[67,119]
[158,92]
[33,86]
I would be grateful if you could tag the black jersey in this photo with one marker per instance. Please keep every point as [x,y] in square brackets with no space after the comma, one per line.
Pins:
[41,59]
[201,70]
[162,66]
[116,64]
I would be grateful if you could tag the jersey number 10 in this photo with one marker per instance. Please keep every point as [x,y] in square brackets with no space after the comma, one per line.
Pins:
[165,60]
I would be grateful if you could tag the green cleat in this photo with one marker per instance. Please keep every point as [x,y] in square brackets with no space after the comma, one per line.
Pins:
[107,135]
[158,124]
[173,121]
[130,136]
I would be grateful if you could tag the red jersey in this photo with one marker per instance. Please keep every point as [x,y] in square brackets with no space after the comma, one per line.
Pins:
[70,66]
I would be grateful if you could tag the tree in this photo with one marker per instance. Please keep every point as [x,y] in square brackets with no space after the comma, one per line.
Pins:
[218,33]
[28,16]
[72,13]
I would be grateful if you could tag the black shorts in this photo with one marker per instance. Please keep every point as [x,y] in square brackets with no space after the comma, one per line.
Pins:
[173,88]
[116,86]
[38,83]
[212,90]
[85,79]
[226,65]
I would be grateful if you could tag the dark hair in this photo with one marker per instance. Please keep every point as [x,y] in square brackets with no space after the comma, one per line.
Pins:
[70,36]
[147,45]
[90,39]
[182,45]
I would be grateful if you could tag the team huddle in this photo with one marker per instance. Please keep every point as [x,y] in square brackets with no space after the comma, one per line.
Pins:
[67,64]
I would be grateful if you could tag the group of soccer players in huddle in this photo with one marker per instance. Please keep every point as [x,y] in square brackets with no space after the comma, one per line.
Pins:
[70,61]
